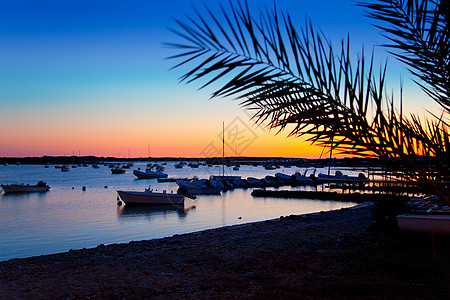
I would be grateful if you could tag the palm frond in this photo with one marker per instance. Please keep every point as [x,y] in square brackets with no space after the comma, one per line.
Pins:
[294,79]
[419,36]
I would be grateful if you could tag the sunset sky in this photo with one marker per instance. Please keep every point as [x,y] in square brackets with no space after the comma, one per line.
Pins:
[90,78]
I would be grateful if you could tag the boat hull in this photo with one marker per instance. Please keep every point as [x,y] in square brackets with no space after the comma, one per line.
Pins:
[198,190]
[150,198]
[13,188]
[437,224]
[202,191]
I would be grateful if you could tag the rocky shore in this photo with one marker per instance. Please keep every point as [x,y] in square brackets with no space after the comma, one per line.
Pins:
[335,254]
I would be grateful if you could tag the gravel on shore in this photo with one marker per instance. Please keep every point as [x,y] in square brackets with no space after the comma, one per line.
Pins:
[322,255]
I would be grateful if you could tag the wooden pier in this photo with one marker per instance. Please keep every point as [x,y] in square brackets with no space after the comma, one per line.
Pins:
[333,196]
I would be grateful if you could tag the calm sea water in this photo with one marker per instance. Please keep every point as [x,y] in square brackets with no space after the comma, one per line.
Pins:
[67,217]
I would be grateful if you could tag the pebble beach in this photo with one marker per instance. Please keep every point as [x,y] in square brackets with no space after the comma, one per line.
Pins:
[334,254]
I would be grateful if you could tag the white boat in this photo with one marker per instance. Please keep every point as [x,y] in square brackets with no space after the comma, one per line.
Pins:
[269,167]
[341,178]
[302,178]
[65,168]
[227,181]
[193,165]
[270,181]
[283,177]
[179,165]
[148,197]
[118,170]
[155,171]
[198,187]
[24,188]
[254,182]
[425,223]
[426,214]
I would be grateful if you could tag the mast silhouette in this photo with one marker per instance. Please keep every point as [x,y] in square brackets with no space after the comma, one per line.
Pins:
[223,148]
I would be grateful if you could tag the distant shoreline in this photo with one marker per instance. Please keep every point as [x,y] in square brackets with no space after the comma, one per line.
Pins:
[32,160]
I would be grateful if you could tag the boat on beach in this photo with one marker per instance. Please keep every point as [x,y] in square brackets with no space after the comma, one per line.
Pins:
[426,215]
[148,197]
[13,187]
[429,223]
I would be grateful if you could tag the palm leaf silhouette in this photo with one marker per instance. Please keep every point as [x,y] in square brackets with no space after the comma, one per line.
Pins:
[294,80]
[419,36]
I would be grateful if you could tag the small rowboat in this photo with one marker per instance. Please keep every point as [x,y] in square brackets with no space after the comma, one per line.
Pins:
[148,197]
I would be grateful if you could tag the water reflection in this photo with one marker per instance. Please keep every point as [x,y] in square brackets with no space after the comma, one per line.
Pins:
[130,213]
[22,196]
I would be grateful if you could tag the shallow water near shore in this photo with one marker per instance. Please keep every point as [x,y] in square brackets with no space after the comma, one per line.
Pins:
[67,217]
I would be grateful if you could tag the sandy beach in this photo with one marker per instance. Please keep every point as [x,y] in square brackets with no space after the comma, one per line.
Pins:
[324,255]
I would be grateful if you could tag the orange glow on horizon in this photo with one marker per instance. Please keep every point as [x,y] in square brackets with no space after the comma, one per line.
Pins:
[123,143]
[108,134]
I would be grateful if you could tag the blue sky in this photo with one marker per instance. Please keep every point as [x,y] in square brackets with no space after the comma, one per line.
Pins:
[76,73]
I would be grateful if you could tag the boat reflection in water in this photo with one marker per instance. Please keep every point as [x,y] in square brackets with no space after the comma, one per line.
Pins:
[130,213]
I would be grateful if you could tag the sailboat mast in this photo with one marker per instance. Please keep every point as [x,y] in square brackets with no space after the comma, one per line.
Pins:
[223,148]
[331,153]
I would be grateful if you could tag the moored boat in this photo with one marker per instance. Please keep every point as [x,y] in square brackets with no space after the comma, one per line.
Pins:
[254,182]
[269,167]
[148,197]
[118,170]
[172,179]
[179,165]
[302,178]
[24,188]
[341,178]
[198,187]
[155,171]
